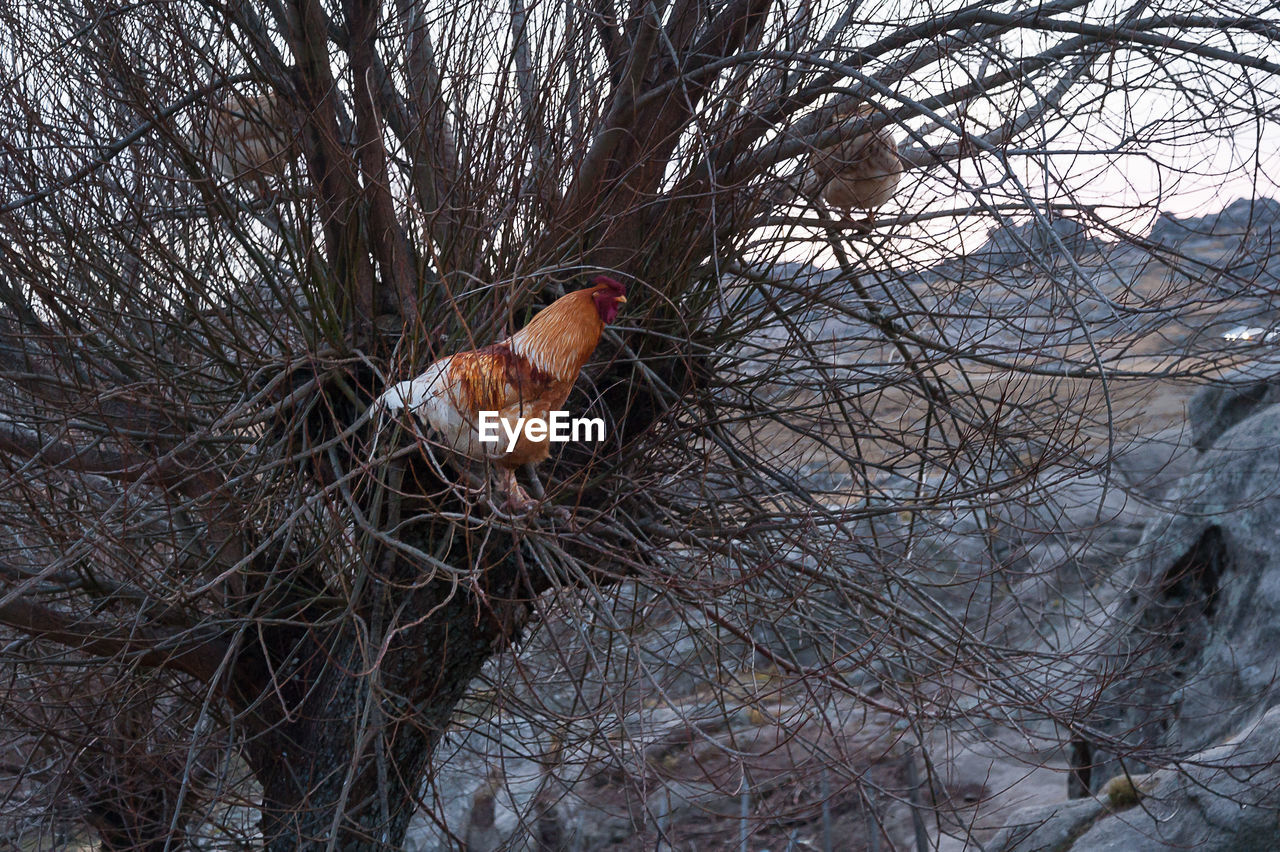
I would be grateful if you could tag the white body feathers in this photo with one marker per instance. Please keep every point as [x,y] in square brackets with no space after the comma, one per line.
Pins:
[433,400]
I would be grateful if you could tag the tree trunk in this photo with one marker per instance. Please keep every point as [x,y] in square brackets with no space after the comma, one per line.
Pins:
[368,703]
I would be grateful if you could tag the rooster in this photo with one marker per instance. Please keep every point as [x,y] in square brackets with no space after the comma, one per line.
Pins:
[527,375]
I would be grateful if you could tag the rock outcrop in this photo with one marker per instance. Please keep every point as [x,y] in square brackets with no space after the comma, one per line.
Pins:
[1240,217]
[1202,606]
[1221,799]
[1189,710]
[1215,409]
[1012,245]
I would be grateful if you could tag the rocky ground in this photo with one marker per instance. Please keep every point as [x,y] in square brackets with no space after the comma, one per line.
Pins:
[1144,579]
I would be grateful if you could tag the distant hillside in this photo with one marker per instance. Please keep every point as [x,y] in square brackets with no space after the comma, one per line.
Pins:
[1242,217]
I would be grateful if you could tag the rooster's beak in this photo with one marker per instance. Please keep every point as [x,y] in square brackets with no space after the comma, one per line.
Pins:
[621,300]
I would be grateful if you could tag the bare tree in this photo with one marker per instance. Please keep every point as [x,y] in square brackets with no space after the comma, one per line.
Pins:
[240,610]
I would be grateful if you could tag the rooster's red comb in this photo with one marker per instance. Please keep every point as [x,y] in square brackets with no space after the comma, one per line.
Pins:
[611,283]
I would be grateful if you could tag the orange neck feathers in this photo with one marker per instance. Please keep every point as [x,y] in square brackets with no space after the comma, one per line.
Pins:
[561,337]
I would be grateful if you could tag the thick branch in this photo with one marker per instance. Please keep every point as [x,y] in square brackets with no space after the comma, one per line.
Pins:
[606,24]
[387,238]
[619,119]
[200,657]
[527,87]
[683,24]
[653,133]
[333,170]
[727,32]
[427,134]
[168,472]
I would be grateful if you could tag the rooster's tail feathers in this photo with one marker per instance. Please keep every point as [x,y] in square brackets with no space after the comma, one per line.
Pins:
[412,394]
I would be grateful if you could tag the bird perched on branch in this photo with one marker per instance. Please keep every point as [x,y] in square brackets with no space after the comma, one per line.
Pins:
[528,375]
[252,138]
[855,174]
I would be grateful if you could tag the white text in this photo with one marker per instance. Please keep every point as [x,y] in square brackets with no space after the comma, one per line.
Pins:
[558,428]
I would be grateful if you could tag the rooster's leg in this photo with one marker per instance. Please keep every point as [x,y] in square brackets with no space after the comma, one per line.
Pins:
[535,484]
[541,494]
[517,499]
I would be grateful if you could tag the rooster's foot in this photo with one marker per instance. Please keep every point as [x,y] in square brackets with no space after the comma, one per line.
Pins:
[862,226]
[519,503]
[562,513]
